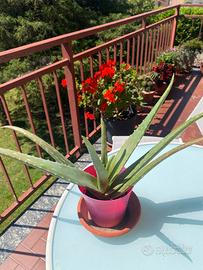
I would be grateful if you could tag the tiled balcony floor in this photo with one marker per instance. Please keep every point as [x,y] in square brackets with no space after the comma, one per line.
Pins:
[28,252]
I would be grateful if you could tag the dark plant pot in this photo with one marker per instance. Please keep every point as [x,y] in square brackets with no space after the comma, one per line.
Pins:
[160,89]
[117,127]
[148,96]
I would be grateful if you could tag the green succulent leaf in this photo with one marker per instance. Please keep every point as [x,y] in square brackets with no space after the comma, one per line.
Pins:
[132,181]
[104,157]
[128,147]
[102,174]
[56,155]
[55,168]
[137,165]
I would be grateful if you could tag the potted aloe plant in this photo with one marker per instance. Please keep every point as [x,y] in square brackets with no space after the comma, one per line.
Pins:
[107,182]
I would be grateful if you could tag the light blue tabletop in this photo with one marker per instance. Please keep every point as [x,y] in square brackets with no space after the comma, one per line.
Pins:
[169,234]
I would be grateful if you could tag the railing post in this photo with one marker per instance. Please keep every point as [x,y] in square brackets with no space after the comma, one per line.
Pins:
[143,23]
[175,20]
[67,53]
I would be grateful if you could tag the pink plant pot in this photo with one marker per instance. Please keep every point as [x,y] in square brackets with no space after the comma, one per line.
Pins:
[105,213]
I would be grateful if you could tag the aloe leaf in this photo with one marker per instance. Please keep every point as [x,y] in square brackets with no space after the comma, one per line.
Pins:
[60,170]
[104,157]
[56,155]
[132,181]
[119,160]
[102,174]
[137,165]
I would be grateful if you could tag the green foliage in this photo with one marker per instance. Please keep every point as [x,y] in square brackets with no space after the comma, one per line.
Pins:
[140,6]
[161,16]
[15,68]
[35,20]
[188,28]
[185,60]
[194,45]
[118,31]
[7,24]
[182,57]
[168,57]
[191,11]
[131,7]
[105,7]
[145,83]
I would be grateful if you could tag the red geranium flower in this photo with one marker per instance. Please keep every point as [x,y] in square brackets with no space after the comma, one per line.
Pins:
[97,75]
[107,72]
[103,66]
[64,83]
[89,85]
[111,63]
[103,106]
[108,95]
[119,87]
[89,115]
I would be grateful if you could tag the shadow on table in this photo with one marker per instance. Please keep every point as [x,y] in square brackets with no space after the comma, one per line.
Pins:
[154,216]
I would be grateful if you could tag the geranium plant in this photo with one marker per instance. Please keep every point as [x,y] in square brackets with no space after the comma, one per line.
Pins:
[111,91]
[163,72]
[111,180]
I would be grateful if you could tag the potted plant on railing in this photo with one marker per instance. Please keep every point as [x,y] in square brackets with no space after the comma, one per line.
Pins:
[162,74]
[107,184]
[187,54]
[112,93]
[145,85]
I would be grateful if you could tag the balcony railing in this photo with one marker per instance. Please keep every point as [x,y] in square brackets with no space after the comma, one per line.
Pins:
[138,48]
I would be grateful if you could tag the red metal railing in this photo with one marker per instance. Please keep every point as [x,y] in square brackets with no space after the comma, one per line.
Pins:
[138,48]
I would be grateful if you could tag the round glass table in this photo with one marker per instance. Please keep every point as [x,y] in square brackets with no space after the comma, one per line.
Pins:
[168,236]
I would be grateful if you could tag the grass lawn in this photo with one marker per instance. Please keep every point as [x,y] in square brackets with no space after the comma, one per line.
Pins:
[17,176]
[15,170]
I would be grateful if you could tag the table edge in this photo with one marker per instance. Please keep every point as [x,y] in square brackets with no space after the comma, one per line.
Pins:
[52,227]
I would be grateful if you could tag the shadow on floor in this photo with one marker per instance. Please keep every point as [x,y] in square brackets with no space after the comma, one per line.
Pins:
[174,105]
[23,253]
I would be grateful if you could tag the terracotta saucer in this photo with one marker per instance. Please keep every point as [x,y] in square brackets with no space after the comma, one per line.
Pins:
[129,221]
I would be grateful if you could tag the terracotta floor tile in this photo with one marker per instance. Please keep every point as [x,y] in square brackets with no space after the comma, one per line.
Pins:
[33,237]
[8,264]
[44,236]
[39,247]
[25,257]
[45,222]
[40,265]
[19,267]
[192,132]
